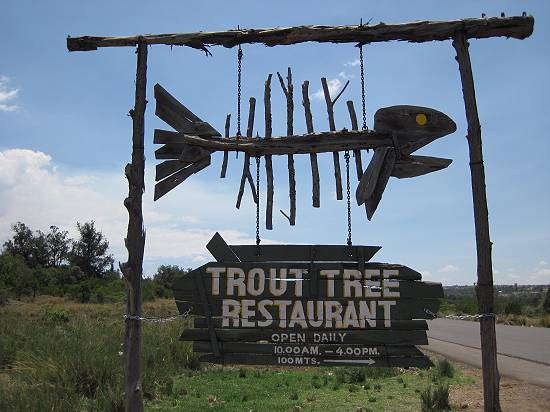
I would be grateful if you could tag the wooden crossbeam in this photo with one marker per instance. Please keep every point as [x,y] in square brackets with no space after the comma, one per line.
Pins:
[518,27]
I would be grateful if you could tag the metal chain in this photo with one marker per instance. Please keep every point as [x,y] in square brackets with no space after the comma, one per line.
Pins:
[258,240]
[348,194]
[239,65]
[460,317]
[158,320]
[363,88]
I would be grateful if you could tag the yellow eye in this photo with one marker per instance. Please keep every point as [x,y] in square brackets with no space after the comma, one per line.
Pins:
[421,119]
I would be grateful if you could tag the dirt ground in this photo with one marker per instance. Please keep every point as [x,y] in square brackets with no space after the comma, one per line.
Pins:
[515,396]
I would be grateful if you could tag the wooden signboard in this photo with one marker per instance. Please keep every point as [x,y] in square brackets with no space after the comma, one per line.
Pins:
[306,305]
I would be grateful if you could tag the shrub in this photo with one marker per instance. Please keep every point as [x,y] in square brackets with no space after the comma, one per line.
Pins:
[435,400]
[57,315]
[445,369]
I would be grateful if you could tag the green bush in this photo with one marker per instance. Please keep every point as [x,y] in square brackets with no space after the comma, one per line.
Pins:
[435,400]
[444,369]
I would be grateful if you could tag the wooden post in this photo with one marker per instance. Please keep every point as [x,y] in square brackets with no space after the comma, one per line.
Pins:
[484,289]
[135,239]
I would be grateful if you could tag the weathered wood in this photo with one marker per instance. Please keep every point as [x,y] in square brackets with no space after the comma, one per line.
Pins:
[246,175]
[200,323]
[220,250]
[178,116]
[226,153]
[414,126]
[518,27]
[169,167]
[368,182]
[132,270]
[267,107]
[251,113]
[269,200]
[335,157]
[407,289]
[302,253]
[404,309]
[298,144]
[268,159]
[413,166]
[199,287]
[370,337]
[183,152]
[301,361]
[484,288]
[356,153]
[387,167]
[166,185]
[316,185]
[288,90]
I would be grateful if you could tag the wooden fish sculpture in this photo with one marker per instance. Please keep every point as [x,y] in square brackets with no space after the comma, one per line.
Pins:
[398,132]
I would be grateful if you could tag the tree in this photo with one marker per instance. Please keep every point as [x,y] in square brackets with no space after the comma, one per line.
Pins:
[166,274]
[89,252]
[22,243]
[546,303]
[58,244]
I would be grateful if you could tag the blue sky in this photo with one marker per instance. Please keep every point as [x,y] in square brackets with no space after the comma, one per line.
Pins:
[65,135]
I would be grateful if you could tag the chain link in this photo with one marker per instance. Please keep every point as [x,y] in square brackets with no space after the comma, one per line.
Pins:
[239,67]
[348,194]
[158,320]
[363,105]
[460,317]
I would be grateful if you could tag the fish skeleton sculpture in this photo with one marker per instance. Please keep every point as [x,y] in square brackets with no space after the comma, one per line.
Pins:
[398,132]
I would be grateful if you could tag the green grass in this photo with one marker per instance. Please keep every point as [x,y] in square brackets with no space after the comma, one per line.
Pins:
[61,356]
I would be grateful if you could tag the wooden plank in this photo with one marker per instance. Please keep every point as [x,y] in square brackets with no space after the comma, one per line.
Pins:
[171,150]
[220,250]
[301,361]
[368,181]
[356,153]
[322,142]
[387,167]
[301,253]
[417,324]
[403,309]
[413,166]
[199,282]
[323,350]
[164,186]
[519,27]
[169,167]
[369,337]
[178,116]
[414,126]
[184,290]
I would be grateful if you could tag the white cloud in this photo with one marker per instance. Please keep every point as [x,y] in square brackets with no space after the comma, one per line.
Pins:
[543,263]
[353,63]
[7,94]
[334,86]
[35,191]
[426,274]
[345,75]
[448,269]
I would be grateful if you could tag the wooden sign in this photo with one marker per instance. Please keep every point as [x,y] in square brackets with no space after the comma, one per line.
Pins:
[306,305]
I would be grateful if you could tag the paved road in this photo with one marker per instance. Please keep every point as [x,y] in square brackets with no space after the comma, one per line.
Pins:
[523,353]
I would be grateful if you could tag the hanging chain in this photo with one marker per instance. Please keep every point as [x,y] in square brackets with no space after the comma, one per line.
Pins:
[363,106]
[346,156]
[258,240]
[239,64]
